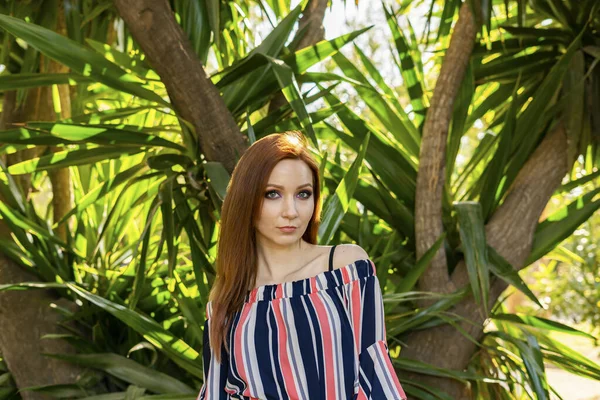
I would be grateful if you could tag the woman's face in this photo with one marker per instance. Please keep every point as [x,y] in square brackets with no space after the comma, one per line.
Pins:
[288,201]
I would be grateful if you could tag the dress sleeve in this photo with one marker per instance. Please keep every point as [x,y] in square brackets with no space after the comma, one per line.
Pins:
[215,374]
[377,378]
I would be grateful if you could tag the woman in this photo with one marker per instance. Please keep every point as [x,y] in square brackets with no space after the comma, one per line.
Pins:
[287,318]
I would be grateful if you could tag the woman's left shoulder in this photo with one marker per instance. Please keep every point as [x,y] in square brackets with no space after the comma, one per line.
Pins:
[348,253]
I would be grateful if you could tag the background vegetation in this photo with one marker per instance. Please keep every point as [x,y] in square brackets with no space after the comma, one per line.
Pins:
[121,122]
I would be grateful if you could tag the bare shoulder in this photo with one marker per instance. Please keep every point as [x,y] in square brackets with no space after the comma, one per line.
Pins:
[345,254]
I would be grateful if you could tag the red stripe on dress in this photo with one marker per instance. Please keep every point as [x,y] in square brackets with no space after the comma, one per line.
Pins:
[327,345]
[230,391]
[313,285]
[253,295]
[239,356]
[284,361]
[390,368]
[345,275]
[356,314]
[362,395]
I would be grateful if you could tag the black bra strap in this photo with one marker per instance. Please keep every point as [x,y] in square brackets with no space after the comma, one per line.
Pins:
[331,257]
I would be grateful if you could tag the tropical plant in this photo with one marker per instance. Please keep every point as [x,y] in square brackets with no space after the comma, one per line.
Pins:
[152,139]
[529,81]
[134,262]
[566,279]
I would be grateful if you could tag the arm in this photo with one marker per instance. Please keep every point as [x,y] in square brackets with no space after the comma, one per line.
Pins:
[377,378]
[215,374]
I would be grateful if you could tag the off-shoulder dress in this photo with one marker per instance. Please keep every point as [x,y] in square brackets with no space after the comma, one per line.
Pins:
[319,338]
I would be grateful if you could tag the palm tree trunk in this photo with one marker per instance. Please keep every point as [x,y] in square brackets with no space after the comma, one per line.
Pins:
[509,231]
[197,100]
[26,316]
[432,158]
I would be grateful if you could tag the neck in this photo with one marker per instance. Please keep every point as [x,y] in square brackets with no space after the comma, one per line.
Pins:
[275,262]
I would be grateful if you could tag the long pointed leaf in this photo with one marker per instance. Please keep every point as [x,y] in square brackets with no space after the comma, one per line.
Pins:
[409,72]
[43,133]
[541,323]
[176,349]
[77,57]
[102,190]
[561,224]
[129,371]
[505,271]
[472,235]
[527,130]
[411,278]
[31,80]
[64,159]
[291,91]
[337,204]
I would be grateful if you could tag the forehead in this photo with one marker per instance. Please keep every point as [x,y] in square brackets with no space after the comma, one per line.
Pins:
[290,172]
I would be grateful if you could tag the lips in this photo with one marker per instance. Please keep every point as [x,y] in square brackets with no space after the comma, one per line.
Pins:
[287,229]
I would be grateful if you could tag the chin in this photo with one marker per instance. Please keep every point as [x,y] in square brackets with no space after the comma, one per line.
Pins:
[286,239]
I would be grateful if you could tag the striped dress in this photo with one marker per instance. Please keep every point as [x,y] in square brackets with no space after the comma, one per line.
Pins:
[317,338]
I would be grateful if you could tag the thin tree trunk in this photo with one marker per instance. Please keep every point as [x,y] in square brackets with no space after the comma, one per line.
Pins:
[432,164]
[60,178]
[196,99]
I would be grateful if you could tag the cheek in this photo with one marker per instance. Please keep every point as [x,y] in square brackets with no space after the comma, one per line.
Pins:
[308,208]
[268,210]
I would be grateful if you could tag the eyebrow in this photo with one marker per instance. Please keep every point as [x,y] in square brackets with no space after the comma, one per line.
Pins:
[281,187]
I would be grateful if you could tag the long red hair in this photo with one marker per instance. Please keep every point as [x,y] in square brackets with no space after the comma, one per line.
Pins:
[236,262]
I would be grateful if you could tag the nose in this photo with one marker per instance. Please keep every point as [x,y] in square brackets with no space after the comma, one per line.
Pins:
[289,208]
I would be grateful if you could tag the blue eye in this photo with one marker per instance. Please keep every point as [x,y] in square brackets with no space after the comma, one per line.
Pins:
[307,192]
[270,191]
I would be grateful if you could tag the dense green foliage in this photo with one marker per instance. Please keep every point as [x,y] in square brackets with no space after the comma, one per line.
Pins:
[140,248]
